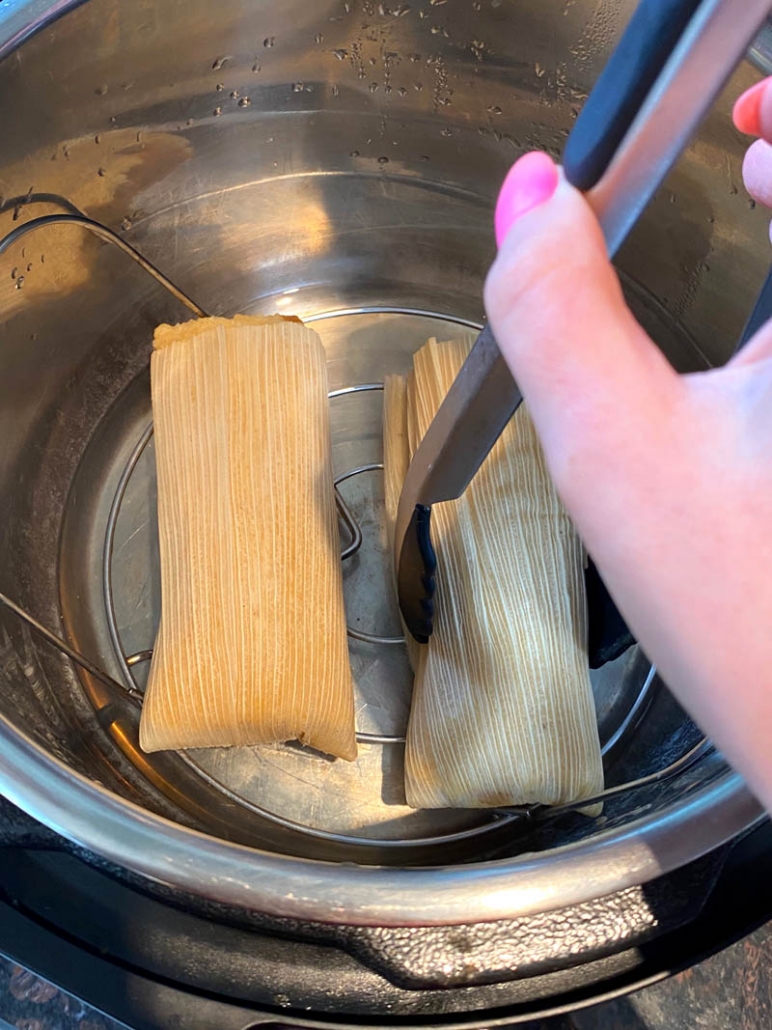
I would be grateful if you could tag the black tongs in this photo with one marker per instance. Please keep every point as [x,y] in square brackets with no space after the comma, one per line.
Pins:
[669,67]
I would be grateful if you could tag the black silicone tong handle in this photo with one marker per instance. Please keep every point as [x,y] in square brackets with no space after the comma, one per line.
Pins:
[648,41]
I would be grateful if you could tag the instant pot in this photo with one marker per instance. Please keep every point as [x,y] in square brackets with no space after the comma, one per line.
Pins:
[337,160]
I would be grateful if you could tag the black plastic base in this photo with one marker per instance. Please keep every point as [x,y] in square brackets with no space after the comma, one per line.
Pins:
[142,952]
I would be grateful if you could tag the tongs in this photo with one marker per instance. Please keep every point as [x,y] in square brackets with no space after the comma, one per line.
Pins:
[669,67]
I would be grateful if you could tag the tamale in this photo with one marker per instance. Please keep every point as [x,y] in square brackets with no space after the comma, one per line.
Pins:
[251,646]
[502,710]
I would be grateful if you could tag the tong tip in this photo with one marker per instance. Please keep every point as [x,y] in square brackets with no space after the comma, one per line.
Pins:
[416,583]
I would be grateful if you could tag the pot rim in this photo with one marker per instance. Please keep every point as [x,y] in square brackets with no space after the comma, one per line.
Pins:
[235,875]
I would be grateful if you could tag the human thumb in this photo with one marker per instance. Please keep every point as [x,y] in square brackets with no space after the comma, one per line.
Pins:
[593,381]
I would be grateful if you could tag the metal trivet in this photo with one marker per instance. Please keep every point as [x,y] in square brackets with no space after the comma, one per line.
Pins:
[72,216]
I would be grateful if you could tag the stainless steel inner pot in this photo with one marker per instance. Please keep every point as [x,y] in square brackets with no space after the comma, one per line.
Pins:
[337,160]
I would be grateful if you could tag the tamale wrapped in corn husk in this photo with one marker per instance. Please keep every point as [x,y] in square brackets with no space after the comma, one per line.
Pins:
[502,710]
[252,644]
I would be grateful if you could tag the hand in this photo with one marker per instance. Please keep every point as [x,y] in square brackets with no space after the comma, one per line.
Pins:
[668,478]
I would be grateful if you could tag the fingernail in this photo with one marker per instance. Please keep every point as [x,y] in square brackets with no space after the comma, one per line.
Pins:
[530,181]
[746,114]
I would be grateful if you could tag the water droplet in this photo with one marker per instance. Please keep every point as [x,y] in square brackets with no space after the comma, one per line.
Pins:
[100,91]
[218,62]
[102,172]
[297,87]
[269,139]
[189,122]
[414,57]
[29,266]
[347,8]
[494,109]
[476,5]
[220,87]
[387,88]
[256,66]
[424,157]
[540,70]
[436,30]
[752,205]
[446,132]
[269,41]
[217,111]
[373,87]
[340,54]
[113,119]
[20,282]
[319,38]
[354,153]
[42,259]
[334,90]
[126,224]
[483,131]
[383,160]
[438,3]
[14,272]
[235,94]
[97,138]
[244,102]
[418,86]
[402,91]
[372,61]
[401,11]
[733,191]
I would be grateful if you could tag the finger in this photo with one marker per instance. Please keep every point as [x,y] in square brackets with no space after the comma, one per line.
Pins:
[587,370]
[752,112]
[757,172]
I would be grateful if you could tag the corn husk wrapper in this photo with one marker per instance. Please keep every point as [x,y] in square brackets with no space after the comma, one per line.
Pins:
[502,711]
[252,642]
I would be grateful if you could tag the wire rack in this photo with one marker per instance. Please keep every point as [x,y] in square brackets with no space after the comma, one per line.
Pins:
[70,215]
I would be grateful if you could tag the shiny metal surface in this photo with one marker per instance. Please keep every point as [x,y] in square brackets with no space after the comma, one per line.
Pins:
[715,40]
[314,159]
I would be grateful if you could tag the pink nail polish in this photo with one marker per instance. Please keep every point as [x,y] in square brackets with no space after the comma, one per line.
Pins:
[530,181]
[746,114]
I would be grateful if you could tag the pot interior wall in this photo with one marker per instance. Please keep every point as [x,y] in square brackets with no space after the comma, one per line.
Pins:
[337,160]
